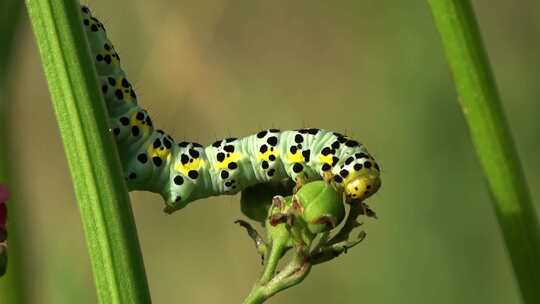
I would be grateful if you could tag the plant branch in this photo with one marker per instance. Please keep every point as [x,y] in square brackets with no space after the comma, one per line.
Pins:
[292,274]
[287,229]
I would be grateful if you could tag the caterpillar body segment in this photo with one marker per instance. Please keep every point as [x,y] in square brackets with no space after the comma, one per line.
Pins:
[186,171]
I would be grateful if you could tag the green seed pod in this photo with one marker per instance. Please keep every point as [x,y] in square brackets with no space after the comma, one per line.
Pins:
[322,205]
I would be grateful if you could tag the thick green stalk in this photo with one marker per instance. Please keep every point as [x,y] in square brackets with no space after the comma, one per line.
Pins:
[276,252]
[91,152]
[292,274]
[13,287]
[491,136]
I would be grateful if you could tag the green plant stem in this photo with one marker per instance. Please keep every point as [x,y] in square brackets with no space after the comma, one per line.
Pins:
[91,152]
[13,287]
[278,248]
[280,238]
[292,274]
[490,134]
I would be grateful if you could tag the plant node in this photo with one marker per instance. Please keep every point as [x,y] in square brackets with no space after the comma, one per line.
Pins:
[294,223]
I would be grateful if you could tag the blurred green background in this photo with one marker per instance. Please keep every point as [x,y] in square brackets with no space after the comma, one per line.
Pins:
[372,69]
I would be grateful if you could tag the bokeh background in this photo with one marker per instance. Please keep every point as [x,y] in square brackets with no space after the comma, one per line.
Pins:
[372,69]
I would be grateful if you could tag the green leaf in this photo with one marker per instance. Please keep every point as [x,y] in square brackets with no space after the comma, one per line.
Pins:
[491,136]
[91,152]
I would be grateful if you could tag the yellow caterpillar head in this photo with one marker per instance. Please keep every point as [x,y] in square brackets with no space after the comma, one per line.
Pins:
[365,182]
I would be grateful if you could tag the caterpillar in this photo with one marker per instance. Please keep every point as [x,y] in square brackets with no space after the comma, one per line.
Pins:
[186,171]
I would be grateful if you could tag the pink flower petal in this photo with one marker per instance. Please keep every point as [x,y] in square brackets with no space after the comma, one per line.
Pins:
[4,193]
[4,196]
[3,216]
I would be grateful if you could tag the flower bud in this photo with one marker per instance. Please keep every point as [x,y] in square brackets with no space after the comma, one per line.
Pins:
[323,207]
[3,222]
[4,195]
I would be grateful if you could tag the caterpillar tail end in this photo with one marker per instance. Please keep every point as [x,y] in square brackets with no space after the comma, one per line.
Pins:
[170,208]
[173,205]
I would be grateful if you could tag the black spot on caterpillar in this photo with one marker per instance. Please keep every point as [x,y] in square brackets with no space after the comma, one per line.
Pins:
[187,171]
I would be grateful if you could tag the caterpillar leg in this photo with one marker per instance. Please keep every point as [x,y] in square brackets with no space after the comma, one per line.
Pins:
[168,209]
[328,176]
[300,181]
